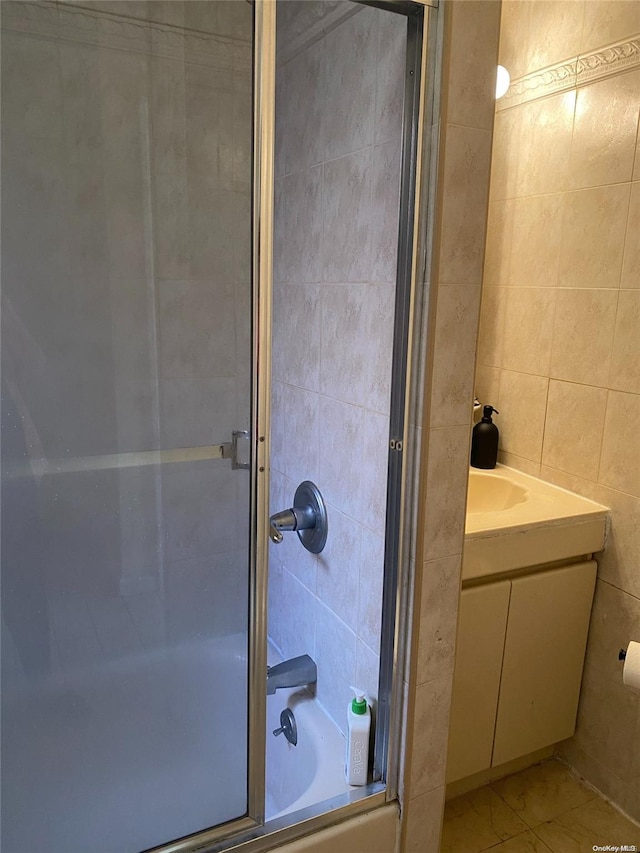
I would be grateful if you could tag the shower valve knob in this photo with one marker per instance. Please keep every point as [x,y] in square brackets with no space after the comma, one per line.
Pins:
[307,517]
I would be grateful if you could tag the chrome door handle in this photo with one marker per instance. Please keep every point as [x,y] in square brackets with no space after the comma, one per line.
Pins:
[240,436]
[239,447]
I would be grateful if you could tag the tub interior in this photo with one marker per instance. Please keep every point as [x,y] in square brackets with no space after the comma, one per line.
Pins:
[313,770]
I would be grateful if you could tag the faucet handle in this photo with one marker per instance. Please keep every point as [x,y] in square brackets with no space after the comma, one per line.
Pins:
[286,519]
[274,534]
[307,517]
[288,727]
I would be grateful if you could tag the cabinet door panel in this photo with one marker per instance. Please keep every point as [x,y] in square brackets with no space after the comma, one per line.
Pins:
[476,681]
[543,659]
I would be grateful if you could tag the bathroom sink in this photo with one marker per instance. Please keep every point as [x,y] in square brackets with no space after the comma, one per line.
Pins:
[492,493]
[515,520]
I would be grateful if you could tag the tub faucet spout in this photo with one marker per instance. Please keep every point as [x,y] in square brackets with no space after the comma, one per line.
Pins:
[296,672]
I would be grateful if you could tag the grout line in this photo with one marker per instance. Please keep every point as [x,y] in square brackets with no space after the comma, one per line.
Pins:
[450,124]
[518,457]
[564,191]
[613,337]
[558,379]
[619,589]
[316,165]
[553,328]
[569,474]
[554,287]
[626,227]
[551,849]
[604,424]
[544,423]
[617,491]
[570,159]
[636,156]
[339,400]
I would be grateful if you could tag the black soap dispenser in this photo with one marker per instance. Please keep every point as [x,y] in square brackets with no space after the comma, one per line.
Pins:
[484,441]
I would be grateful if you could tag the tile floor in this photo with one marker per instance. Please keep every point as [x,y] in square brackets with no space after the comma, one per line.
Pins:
[544,809]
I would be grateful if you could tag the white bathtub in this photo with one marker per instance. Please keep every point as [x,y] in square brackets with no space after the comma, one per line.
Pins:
[313,771]
[128,754]
[154,740]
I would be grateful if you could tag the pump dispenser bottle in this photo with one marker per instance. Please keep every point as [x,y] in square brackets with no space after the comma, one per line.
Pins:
[358,728]
[484,441]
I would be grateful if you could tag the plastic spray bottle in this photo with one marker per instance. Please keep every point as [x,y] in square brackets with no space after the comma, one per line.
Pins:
[358,729]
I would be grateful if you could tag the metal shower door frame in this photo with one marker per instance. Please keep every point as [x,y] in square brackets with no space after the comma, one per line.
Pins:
[264,44]
[250,833]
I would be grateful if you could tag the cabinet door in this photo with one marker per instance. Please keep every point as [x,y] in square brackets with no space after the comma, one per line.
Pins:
[543,659]
[481,629]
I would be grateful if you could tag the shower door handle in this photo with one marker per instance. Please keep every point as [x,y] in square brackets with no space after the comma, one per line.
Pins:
[240,448]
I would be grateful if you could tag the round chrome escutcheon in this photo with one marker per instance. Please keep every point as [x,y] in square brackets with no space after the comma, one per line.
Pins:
[308,495]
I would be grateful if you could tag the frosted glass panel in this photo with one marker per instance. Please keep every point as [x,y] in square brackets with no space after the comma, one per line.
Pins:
[126,343]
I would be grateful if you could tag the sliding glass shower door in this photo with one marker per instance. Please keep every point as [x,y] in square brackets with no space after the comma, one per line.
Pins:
[126,406]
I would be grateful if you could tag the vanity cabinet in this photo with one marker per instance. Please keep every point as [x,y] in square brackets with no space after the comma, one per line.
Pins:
[482,624]
[520,653]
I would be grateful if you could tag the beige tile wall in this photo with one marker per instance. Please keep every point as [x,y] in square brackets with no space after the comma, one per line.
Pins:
[464,134]
[559,344]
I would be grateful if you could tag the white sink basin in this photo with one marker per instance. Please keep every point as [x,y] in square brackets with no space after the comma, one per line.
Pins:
[492,492]
[515,521]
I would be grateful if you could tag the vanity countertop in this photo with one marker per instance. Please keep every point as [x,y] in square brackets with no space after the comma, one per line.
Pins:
[515,521]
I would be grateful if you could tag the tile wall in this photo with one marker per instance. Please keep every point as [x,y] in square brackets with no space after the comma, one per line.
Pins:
[338,147]
[559,351]
[462,136]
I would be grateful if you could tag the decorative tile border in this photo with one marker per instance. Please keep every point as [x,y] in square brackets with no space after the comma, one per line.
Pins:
[576,71]
[612,59]
[68,22]
[547,81]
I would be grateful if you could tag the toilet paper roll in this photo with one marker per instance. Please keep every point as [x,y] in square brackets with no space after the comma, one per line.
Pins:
[631,670]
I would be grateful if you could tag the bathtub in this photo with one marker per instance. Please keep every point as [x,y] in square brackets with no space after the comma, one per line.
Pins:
[311,772]
[103,723]
[113,751]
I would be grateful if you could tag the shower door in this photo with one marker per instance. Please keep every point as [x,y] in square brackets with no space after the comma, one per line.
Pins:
[126,418]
